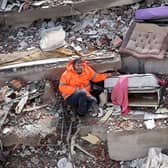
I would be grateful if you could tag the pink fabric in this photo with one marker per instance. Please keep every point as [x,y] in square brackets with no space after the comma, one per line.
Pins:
[162,82]
[119,94]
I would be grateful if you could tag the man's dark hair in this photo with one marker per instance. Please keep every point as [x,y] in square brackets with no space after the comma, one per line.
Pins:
[77,60]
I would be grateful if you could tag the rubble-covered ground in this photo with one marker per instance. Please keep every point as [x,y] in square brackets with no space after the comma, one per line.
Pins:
[95,30]
[34,132]
[21,6]
[51,147]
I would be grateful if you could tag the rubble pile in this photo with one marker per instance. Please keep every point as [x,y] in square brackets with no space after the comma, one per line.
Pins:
[120,123]
[156,158]
[103,29]
[25,118]
[27,110]
[22,105]
[21,6]
[55,155]
[33,132]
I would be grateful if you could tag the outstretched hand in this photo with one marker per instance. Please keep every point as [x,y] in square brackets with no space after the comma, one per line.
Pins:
[110,74]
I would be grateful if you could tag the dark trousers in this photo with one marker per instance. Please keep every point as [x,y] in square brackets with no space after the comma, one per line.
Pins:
[81,102]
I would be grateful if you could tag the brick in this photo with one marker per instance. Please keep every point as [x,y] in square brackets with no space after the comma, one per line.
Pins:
[17,83]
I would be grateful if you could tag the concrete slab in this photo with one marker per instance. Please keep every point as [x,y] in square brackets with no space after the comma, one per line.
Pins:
[27,17]
[129,145]
[134,65]
[53,68]
[156,66]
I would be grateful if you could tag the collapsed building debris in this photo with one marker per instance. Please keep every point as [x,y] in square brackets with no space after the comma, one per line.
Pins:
[49,11]
[6,6]
[135,144]
[38,128]
[26,99]
[156,158]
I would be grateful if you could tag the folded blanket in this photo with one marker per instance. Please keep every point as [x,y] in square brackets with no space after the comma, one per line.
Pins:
[152,13]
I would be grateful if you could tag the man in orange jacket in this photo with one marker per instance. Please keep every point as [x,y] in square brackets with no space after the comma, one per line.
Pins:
[75,85]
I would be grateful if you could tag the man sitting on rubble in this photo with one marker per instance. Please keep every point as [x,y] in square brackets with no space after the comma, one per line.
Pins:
[75,86]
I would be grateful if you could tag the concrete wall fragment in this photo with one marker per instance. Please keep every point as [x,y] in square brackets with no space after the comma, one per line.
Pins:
[129,145]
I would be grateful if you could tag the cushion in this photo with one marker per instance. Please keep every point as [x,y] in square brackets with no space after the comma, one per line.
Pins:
[145,41]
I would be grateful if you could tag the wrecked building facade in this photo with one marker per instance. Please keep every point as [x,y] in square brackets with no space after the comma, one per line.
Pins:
[38,39]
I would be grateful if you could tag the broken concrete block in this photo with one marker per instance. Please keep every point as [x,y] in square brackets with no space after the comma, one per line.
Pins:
[64,163]
[156,158]
[31,134]
[52,38]
[3,4]
[162,110]
[7,130]
[129,145]
[150,124]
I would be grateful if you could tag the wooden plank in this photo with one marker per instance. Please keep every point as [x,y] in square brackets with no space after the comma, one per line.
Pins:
[92,139]
[27,17]
[106,116]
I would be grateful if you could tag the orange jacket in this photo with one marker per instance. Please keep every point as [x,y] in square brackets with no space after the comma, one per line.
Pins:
[71,81]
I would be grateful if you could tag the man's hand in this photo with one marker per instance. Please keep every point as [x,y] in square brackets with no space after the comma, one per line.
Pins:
[109,75]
